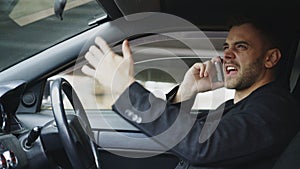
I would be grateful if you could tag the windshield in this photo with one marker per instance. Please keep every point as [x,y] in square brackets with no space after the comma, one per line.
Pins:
[28,27]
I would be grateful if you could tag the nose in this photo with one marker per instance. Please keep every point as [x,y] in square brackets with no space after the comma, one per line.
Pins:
[229,54]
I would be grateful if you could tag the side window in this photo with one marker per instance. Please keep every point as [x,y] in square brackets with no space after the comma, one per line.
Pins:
[160,64]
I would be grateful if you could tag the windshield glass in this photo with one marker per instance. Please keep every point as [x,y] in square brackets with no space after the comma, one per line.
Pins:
[28,27]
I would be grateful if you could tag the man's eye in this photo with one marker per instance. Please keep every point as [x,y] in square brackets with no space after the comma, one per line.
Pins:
[225,47]
[243,47]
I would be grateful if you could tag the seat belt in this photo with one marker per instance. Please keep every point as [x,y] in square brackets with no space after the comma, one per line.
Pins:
[295,71]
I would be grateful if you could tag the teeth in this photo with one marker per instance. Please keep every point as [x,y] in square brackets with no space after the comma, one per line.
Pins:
[230,68]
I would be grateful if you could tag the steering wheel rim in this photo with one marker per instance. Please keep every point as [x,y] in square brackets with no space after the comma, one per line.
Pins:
[67,136]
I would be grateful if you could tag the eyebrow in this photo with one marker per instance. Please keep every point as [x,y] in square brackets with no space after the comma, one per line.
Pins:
[236,43]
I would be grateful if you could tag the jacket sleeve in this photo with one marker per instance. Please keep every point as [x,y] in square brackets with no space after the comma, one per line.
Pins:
[198,141]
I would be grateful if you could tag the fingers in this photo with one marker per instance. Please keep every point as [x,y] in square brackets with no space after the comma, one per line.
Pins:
[209,68]
[93,61]
[217,59]
[97,52]
[199,68]
[203,69]
[103,46]
[126,49]
[93,50]
[101,52]
[88,71]
[128,56]
[95,55]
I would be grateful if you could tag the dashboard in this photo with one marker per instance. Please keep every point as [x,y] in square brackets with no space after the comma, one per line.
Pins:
[11,153]
[22,147]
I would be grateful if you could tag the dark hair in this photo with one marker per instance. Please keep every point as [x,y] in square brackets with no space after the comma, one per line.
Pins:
[274,31]
[267,26]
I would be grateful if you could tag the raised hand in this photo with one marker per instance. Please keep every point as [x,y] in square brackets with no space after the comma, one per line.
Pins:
[111,70]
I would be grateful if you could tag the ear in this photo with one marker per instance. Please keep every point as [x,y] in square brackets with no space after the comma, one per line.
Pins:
[272,58]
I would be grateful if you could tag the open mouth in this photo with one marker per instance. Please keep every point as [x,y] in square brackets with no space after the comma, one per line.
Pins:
[231,70]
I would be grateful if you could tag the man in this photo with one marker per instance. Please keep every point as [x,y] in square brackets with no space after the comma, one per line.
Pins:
[254,127]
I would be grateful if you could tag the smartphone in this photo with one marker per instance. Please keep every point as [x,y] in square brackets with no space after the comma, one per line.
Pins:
[219,72]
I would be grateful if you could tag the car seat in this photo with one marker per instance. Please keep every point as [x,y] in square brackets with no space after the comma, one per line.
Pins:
[290,158]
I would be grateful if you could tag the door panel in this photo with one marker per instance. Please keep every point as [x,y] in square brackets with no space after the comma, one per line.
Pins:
[127,147]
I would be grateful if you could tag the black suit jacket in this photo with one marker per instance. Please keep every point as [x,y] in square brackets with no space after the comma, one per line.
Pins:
[249,134]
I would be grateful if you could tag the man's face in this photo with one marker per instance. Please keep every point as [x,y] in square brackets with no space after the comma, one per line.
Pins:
[243,57]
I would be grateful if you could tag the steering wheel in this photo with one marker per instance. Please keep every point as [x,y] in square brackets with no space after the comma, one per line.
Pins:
[74,129]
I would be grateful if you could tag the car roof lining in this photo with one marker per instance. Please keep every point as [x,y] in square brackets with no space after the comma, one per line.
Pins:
[207,15]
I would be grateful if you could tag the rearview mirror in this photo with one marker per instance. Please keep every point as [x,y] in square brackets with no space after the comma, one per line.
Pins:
[59,6]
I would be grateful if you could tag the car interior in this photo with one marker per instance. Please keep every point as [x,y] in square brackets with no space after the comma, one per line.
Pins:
[52,116]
